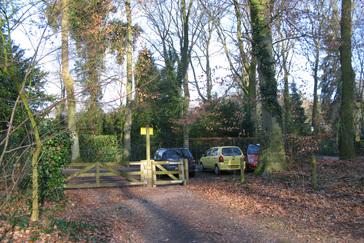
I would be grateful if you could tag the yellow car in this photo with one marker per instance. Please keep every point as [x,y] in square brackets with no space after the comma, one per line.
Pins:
[221,158]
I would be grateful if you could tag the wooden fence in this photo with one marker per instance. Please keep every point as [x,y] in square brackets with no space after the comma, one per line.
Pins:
[144,173]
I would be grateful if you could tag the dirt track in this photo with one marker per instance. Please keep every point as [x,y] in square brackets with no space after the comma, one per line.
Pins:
[166,214]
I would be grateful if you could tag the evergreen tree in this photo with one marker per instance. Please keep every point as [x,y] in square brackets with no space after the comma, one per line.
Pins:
[299,125]
[158,99]
[34,86]
[146,87]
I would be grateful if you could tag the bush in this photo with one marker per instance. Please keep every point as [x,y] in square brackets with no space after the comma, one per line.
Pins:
[56,154]
[329,148]
[100,148]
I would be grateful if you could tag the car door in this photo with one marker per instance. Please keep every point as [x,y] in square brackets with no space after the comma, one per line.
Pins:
[212,158]
[205,160]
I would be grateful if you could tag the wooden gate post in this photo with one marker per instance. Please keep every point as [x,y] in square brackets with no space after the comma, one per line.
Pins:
[142,171]
[147,173]
[314,172]
[98,174]
[148,169]
[242,169]
[187,176]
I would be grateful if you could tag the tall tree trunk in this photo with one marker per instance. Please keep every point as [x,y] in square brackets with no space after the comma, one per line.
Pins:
[36,153]
[252,69]
[94,87]
[129,84]
[272,156]
[252,88]
[185,62]
[35,156]
[361,98]
[315,113]
[287,121]
[68,83]
[346,137]
[287,116]
[208,72]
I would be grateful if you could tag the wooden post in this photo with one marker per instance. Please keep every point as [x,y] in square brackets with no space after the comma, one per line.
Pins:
[97,174]
[148,144]
[149,163]
[242,169]
[187,176]
[314,172]
[154,175]
[142,172]
[181,169]
[181,176]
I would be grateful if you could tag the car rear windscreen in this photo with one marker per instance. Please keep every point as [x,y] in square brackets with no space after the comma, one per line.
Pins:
[184,153]
[231,151]
[253,150]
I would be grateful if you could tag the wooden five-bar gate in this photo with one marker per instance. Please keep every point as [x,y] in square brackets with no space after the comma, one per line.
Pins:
[148,173]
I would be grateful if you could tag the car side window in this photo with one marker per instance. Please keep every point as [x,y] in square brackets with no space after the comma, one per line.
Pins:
[209,152]
[158,156]
[214,152]
[172,154]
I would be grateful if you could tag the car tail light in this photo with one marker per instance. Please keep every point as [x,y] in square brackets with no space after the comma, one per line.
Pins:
[192,161]
[221,159]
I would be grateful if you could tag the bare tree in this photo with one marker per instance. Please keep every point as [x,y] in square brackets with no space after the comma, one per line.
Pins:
[313,31]
[236,41]
[171,23]
[204,51]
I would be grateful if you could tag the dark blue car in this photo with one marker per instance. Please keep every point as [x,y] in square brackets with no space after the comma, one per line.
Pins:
[176,154]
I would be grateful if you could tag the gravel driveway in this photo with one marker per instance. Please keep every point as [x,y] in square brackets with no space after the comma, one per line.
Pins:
[166,214]
[177,215]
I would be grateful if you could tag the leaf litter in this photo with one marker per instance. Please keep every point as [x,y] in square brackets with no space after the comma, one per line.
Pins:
[281,201]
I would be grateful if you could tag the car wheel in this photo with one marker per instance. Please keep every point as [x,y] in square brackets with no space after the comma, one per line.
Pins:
[217,170]
[201,167]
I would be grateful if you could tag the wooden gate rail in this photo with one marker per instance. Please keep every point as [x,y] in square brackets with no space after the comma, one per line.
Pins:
[169,173]
[147,173]
[181,172]
[112,172]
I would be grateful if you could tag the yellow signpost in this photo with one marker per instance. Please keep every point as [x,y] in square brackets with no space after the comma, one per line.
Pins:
[143,130]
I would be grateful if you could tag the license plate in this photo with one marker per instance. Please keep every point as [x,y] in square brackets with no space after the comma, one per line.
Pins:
[234,166]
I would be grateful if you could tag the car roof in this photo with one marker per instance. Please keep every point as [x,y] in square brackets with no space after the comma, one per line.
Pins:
[170,148]
[225,147]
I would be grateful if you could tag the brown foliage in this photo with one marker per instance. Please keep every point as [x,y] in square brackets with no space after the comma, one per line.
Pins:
[283,201]
[287,200]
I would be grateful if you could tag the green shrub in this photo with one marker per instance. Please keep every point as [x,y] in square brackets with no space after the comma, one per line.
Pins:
[56,154]
[100,148]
